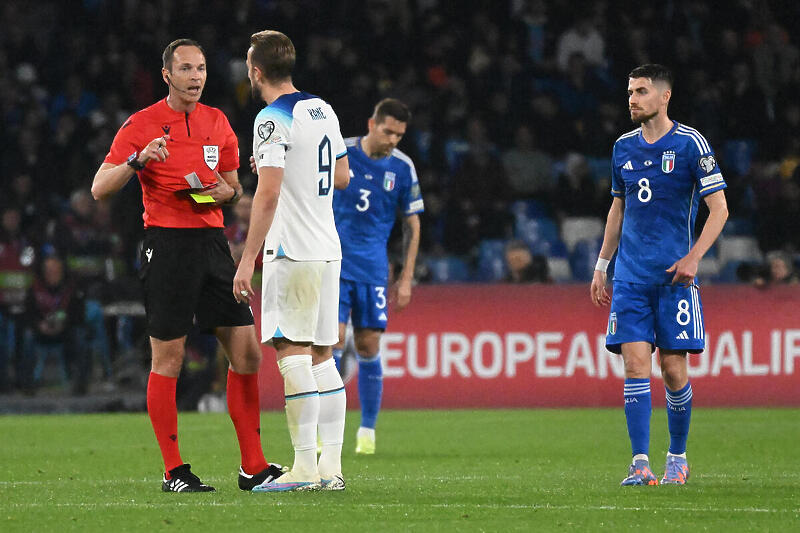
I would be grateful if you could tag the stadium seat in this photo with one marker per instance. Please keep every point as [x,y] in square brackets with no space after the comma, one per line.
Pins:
[491,260]
[708,269]
[529,209]
[583,258]
[601,168]
[727,274]
[738,248]
[558,268]
[448,269]
[576,229]
[739,155]
[738,226]
[532,230]
[554,248]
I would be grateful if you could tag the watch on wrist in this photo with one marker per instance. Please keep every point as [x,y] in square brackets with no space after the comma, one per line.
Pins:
[134,163]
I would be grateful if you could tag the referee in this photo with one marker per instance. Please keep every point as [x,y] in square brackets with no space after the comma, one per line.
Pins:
[186,265]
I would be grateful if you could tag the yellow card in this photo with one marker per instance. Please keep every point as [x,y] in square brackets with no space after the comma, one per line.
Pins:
[202,198]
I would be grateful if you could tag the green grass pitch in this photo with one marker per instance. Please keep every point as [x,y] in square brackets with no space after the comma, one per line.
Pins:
[483,470]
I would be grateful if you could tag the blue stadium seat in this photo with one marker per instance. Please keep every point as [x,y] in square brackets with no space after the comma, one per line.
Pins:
[601,168]
[727,274]
[554,248]
[739,155]
[537,229]
[491,260]
[739,226]
[448,269]
[583,258]
[529,209]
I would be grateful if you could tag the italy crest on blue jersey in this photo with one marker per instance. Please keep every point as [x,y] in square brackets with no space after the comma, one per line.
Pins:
[661,201]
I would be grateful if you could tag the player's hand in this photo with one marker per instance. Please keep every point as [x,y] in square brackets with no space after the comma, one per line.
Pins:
[222,192]
[155,149]
[685,270]
[598,290]
[242,289]
[253,167]
[401,294]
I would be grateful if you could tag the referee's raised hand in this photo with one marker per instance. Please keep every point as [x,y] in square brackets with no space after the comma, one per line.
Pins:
[155,149]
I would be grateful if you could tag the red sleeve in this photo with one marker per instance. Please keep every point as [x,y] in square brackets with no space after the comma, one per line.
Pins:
[126,141]
[229,158]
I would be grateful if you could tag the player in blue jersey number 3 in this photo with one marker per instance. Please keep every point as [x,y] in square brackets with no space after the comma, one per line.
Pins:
[383,181]
[659,173]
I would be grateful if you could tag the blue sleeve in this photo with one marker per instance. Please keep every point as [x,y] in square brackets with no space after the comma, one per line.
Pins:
[617,183]
[706,171]
[411,200]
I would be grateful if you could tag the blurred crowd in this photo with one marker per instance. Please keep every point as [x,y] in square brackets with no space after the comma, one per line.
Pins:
[516,105]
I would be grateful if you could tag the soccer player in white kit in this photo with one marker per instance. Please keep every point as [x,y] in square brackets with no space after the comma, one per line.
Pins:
[300,156]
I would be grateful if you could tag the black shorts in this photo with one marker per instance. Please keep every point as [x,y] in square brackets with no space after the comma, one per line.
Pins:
[187,274]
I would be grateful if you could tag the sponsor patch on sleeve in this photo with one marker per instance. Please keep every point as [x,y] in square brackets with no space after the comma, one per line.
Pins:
[416,205]
[710,180]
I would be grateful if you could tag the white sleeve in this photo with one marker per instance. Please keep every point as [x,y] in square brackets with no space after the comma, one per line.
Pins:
[270,140]
[338,148]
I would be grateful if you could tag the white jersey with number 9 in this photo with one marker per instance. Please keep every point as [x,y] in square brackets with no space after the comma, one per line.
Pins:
[299,132]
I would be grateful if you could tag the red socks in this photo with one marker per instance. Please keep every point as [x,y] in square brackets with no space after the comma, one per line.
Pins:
[245,413]
[164,417]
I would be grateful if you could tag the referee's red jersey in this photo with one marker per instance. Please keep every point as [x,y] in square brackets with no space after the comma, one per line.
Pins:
[201,142]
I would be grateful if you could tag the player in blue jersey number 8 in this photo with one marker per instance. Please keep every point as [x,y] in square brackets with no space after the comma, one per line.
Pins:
[383,180]
[659,173]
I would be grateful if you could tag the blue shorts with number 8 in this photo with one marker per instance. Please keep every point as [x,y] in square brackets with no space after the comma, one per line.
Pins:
[363,303]
[666,316]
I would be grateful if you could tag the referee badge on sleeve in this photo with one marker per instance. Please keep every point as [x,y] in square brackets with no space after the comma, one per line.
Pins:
[211,156]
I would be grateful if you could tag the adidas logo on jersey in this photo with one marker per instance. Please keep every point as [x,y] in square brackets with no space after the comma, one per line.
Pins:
[383,317]
[628,166]
[683,336]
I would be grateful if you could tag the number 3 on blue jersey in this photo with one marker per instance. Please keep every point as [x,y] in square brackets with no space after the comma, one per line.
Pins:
[364,198]
[325,166]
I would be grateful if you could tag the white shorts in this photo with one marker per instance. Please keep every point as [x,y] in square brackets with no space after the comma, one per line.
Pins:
[300,301]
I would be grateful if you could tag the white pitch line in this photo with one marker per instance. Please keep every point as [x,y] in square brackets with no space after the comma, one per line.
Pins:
[328,502]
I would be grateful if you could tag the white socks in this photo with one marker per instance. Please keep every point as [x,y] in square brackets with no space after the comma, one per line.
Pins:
[332,407]
[302,413]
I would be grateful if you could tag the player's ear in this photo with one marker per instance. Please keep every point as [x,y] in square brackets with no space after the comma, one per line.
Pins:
[370,124]
[258,73]
[666,95]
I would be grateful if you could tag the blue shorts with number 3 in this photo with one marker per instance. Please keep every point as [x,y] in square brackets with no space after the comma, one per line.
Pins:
[363,303]
[666,316]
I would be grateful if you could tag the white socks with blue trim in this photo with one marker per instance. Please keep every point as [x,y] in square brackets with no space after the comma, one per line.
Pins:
[332,407]
[302,413]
